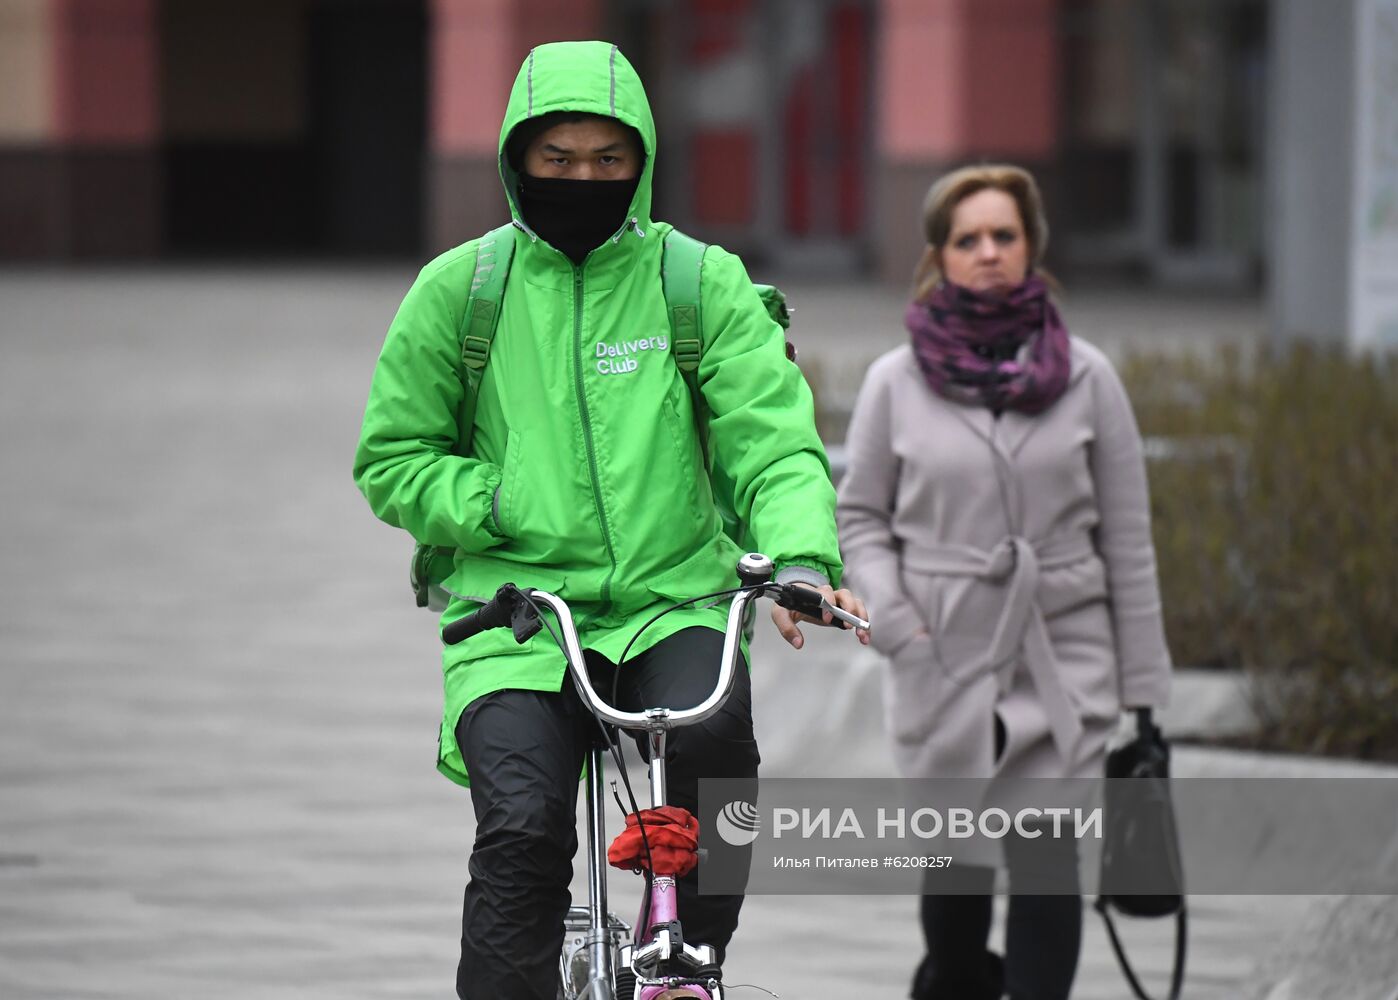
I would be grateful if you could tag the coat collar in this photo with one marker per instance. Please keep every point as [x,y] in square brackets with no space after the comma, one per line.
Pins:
[616,257]
[1008,435]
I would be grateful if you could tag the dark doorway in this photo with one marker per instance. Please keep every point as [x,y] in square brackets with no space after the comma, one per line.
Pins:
[368,94]
[294,127]
[1163,144]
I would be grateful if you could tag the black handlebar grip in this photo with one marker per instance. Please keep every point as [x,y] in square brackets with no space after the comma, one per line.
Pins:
[805,600]
[494,613]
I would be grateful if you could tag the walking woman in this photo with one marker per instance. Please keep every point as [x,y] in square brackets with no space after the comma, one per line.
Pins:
[995,515]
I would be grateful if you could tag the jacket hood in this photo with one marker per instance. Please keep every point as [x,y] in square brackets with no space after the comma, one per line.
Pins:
[590,77]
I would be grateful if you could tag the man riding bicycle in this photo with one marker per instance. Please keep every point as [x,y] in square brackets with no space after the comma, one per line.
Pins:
[586,477]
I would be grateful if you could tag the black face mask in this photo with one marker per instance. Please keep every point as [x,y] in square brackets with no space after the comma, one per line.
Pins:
[574,216]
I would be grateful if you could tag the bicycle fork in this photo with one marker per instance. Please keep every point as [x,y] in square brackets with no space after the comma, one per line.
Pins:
[601,935]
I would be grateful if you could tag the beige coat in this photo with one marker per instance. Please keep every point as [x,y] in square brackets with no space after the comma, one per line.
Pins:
[1021,546]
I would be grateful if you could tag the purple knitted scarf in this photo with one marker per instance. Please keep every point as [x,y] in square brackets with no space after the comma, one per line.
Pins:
[1008,352]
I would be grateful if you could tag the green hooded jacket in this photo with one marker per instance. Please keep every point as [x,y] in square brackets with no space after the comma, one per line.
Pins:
[586,428]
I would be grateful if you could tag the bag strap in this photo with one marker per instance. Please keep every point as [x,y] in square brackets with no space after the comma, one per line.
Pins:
[479,322]
[1181,937]
[681,265]
[681,261]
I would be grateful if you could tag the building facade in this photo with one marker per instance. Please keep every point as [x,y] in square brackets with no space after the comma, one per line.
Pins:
[801,132]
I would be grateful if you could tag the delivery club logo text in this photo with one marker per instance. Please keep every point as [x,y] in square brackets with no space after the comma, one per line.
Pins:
[739,823]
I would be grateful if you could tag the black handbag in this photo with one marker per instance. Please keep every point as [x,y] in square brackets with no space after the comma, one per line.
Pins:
[1141,873]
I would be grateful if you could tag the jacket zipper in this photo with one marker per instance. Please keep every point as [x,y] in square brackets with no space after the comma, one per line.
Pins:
[587,437]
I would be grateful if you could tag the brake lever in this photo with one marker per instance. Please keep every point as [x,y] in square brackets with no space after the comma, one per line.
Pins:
[840,614]
[524,620]
[813,604]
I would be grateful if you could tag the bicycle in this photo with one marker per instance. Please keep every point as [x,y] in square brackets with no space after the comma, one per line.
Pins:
[658,964]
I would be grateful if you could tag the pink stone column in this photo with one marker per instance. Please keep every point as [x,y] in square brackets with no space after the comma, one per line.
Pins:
[959,81]
[105,92]
[106,125]
[476,49]
[79,163]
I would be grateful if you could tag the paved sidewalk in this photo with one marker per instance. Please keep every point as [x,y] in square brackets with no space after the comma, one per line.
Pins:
[218,709]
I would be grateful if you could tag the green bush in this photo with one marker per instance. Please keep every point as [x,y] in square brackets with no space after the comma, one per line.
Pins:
[1274,491]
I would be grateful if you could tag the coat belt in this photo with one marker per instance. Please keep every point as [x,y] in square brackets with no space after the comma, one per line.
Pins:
[1016,562]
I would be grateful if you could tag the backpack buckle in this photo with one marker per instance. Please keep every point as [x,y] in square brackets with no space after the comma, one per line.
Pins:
[474,351]
[687,353]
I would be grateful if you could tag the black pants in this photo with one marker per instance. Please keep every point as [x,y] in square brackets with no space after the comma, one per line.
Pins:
[1043,932]
[524,751]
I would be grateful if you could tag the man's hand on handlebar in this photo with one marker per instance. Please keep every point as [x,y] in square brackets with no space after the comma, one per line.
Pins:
[786,621]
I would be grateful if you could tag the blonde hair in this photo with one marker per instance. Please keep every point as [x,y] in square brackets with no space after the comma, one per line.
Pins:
[952,189]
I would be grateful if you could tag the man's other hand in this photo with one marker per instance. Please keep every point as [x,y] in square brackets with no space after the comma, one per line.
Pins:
[786,620]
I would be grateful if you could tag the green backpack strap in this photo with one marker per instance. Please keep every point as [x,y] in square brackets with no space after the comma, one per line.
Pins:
[681,261]
[433,563]
[480,321]
[681,267]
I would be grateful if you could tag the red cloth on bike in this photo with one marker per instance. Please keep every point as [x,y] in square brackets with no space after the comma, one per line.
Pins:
[673,835]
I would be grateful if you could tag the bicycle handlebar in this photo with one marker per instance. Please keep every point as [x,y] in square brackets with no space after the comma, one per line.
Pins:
[494,613]
[510,608]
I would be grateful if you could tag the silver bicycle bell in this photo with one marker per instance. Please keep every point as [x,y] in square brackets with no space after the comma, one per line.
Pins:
[754,568]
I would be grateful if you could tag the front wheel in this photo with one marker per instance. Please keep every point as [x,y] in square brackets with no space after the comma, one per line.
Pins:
[575,963]
[575,981]
[589,991]
[625,983]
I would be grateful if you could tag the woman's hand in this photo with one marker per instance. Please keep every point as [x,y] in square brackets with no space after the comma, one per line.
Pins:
[786,620]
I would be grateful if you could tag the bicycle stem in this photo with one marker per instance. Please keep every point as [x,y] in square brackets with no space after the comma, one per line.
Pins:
[599,945]
[656,739]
